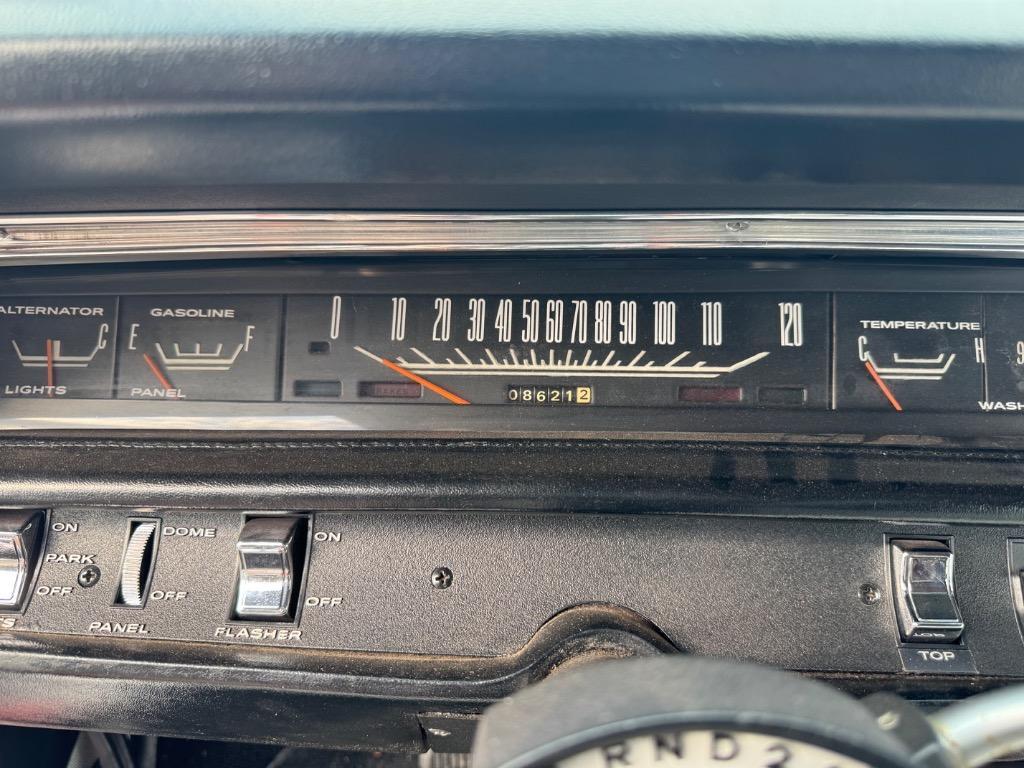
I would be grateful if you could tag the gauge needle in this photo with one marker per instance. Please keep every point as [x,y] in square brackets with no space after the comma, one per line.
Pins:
[436,389]
[157,372]
[49,367]
[883,386]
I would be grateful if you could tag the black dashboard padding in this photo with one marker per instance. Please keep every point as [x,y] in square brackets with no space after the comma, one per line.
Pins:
[940,484]
[506,121]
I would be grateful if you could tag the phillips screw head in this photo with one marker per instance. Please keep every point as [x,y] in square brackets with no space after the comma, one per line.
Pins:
[442,578]
[89,576]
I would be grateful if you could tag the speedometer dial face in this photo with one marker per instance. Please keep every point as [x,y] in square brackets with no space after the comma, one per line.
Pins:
[728,350]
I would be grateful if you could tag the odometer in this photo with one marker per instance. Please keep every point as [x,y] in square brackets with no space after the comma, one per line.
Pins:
[678,350]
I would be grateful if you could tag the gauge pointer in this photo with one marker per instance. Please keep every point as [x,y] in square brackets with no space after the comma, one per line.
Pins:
[49,367]
[436,389]
[164,382]
[883,386]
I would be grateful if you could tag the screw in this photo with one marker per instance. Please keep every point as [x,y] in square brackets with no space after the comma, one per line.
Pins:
[870,594]
[442,577]
[89,576]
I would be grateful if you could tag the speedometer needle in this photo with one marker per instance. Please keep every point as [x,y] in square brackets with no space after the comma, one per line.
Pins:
[883,386]
[436,389]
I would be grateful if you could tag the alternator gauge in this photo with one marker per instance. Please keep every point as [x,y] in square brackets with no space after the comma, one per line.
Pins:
[57,347]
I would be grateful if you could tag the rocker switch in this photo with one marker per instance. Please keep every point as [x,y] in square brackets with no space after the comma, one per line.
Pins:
[926,607]
[267,569]
[20,537]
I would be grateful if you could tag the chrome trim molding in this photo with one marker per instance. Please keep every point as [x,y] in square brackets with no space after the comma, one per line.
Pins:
[109,237]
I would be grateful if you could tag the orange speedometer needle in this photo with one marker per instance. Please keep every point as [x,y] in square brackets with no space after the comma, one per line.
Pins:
[883,386]
[49,367]
[451,396]
[435,388]
[156,371]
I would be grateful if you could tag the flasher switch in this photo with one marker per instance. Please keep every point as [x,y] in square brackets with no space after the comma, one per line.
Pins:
[269,567]
[21,534]
[926,608]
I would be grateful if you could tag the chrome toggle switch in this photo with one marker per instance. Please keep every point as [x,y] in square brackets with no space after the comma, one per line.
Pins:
[926,606]
[20,536]
[267,568]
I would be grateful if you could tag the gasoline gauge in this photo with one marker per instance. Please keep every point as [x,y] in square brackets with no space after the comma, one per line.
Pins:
[198,348]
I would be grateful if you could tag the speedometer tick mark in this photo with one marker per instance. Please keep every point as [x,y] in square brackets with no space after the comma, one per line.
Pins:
[416,351]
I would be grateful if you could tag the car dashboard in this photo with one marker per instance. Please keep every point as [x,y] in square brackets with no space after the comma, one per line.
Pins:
[360,371]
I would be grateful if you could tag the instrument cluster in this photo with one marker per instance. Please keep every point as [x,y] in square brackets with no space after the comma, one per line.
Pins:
[422,348]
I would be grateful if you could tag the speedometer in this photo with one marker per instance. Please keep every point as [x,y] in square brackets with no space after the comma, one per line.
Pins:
[561,350]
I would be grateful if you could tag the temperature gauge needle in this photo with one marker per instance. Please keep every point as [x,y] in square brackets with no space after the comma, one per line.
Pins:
[436,389]
[883,386]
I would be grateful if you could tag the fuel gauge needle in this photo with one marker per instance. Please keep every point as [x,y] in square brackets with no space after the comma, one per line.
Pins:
[164,382]
[883,386]
[435,388]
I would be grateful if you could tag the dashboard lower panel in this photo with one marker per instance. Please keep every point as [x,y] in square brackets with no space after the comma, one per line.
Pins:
[708,584]
[796,530]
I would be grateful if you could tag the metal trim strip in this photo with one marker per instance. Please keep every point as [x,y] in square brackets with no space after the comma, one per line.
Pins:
[28,240]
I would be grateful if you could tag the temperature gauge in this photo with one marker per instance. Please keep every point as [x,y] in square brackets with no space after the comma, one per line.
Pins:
[198,348]
[58,348]
[916,352]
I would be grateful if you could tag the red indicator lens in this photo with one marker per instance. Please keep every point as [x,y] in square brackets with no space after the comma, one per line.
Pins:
[711,394]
